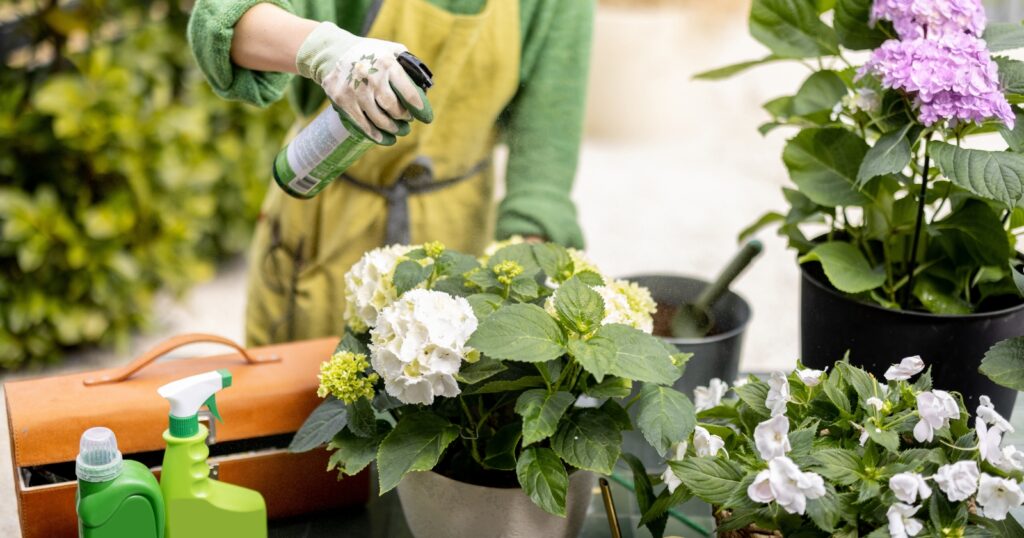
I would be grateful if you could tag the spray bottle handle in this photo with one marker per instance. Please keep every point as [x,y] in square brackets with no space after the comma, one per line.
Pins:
[211,404]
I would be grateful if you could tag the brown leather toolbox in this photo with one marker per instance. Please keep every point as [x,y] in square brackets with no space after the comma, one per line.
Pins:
[273,391]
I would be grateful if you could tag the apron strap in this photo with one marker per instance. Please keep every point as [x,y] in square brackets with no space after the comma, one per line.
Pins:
[371,15]
[418,178]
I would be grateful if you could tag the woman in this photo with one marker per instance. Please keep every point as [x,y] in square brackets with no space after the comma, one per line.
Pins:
[515,68]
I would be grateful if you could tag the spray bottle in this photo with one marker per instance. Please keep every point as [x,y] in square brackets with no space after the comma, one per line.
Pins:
[196,505]
[116,498]
[329,144]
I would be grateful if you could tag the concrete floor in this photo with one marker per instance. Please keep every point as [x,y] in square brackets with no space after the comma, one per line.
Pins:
[667,179]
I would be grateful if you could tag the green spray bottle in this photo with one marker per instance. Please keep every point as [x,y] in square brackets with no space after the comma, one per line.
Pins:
[196,505]
[115,498]
[329,144]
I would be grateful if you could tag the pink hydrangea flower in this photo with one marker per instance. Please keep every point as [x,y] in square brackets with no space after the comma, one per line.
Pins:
[953,78]
[914,19]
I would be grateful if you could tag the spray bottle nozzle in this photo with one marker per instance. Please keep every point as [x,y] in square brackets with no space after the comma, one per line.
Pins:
[188,395]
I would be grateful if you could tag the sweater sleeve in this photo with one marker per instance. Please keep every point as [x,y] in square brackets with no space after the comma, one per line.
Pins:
[544,123]
[210,30]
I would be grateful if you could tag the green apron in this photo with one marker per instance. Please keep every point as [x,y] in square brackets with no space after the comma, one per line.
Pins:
[434,184]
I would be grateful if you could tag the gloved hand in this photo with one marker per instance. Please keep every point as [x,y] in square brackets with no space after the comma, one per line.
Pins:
[364,80]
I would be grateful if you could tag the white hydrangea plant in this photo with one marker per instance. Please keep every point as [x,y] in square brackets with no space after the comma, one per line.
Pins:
[840,453]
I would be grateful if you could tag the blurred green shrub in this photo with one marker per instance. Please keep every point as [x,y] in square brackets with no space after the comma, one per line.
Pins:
[121,174]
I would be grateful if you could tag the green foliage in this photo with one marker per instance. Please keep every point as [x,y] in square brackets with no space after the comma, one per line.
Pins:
[854,447]
[522,411]
[1004,363]
[871,176]
[122,174]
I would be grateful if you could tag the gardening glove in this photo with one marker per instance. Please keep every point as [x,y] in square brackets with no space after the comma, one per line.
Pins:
[364,80]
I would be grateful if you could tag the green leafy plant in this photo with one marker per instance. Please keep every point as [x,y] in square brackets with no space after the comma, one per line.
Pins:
[121,173]
[516,369]
[810,453]
[889,197]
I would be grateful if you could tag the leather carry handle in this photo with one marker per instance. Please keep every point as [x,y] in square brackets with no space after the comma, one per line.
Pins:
[169,345]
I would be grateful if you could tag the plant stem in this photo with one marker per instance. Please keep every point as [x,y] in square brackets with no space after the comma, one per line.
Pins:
[917,227]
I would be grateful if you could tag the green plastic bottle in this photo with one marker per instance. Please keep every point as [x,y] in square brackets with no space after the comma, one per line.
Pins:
[116,498]
[198,506]
[329,145]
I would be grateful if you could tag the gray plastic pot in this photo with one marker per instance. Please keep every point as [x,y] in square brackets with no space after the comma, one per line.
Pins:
[714,356]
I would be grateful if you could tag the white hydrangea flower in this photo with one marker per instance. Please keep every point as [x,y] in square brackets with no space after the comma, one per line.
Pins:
[581,262]
[705,443]
[810,376]
[419,342]
[997,496]
[987,411]
[369,286]
[959,480]
[907,368]
[711,395]
[628,303]
[787,485]
[771,437]
[778,394]
[936,408]
[901,521]
[909,486]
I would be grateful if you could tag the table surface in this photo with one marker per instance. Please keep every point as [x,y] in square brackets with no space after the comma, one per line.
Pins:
[382,517]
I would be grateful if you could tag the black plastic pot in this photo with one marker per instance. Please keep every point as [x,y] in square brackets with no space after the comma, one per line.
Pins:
[717,355]
[953,346]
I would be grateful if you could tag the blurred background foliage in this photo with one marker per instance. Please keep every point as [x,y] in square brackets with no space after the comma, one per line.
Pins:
[121,173]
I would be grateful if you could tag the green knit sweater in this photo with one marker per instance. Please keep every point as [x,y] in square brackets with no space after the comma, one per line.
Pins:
[542,124]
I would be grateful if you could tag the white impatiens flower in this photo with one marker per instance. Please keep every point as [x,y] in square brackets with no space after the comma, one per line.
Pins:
[709,396]
[809,376]
[676,453]
[997,496]
[987,412]
[705,443]
[901,521]
[877,403]
[771,437]
[907,368]
[787,485]
[959,480]
[628,303]
[989,441]
[908,487]
[585,401]
[863,439]
[419,343]
[778,394]
[936,408]
[1012,460]
[369,286]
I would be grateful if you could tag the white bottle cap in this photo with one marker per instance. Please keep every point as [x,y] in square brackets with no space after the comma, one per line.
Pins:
[98,458]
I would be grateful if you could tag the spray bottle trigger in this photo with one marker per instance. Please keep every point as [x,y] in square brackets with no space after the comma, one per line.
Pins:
[211,404]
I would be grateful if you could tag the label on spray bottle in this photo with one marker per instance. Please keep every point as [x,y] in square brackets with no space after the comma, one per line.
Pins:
[316,154]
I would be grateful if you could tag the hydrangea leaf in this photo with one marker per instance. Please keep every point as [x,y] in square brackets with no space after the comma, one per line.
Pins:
[542,475]
[713,480]
[416,444]
[519,332]
[578,306]
[320,426]
[482,369]
[1004,363]
[1002,36]
[1017,270]
[501,447]
[852,22]
[351,452]
[505,385]
[792,29]
[410,274]
[611,387]
[521,253]
[973,234]
[819,93]
[1011,77]
[845,266]
[588,439]
[639,356]
[541,410]
[352,344]
[890,155]
[361,418]
[939,300]
[1014,137]
[484,304]
[824,162]
[554,260]
[734,69]
[665,416]
[995,175]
